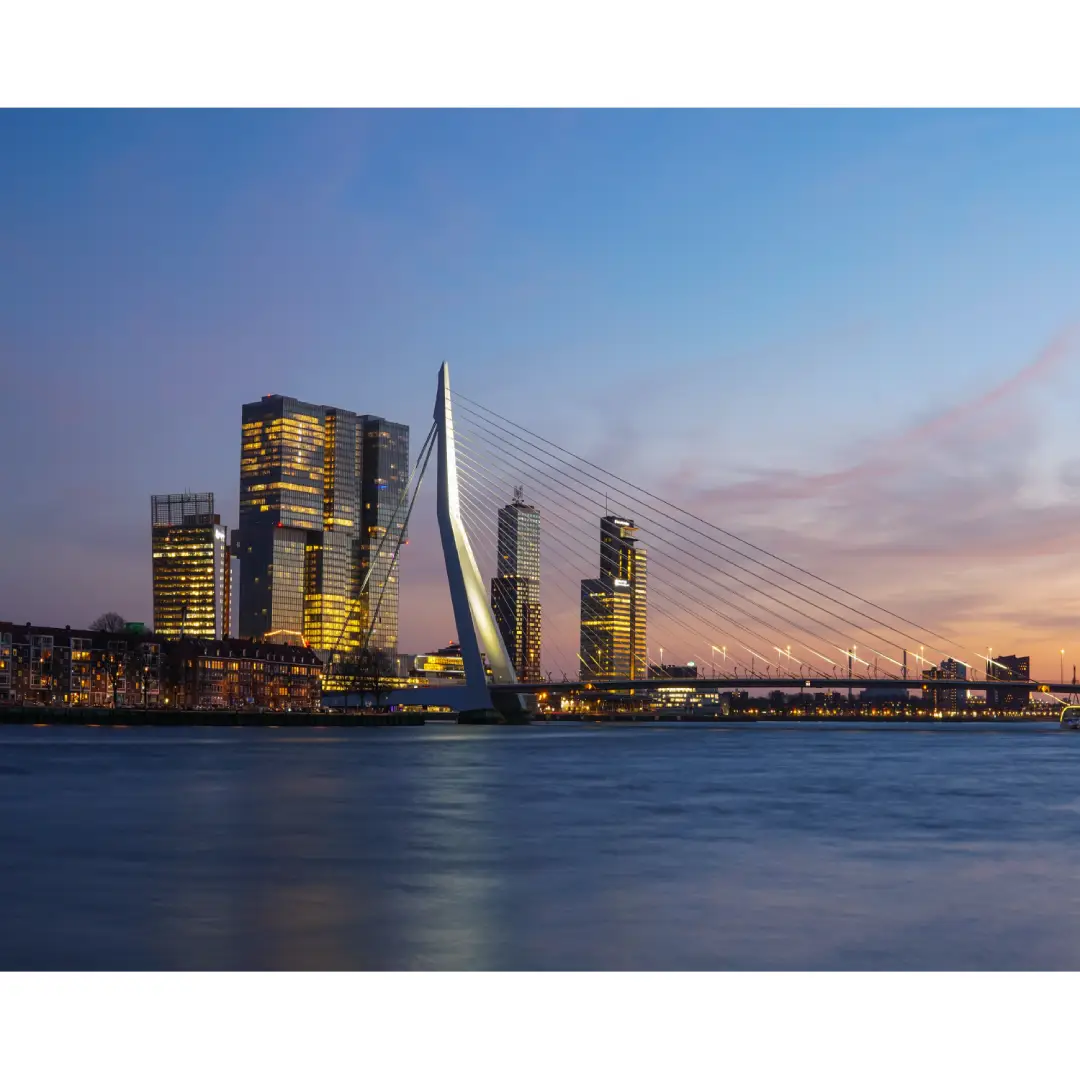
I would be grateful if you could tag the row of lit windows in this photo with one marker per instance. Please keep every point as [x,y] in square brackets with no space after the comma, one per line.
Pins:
[281,485]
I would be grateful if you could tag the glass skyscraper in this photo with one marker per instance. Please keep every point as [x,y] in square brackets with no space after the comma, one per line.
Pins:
[282,459]
[191,567]
[515,590]
[613,607]
[384,482]
[319,486]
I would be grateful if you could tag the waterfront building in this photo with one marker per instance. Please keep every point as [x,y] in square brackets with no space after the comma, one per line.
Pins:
[321,505]
[613,607]
[947,698]
[687,694]
[441,666]
[515,590]
[191,569]
[605,629]
[58,666]
[240,674]
[50,665]
[1009,669]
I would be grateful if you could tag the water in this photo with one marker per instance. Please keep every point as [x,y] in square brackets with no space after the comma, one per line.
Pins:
[550,847]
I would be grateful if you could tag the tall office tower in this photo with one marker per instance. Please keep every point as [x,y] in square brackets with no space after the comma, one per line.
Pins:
[605,629]
[331,618]
[384,482]
[622,560]
[318,487]
[515,590]
[613,607]
[191,567]
[282,459]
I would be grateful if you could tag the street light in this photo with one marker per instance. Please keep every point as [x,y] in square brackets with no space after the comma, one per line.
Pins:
[722,649]
[1062,665]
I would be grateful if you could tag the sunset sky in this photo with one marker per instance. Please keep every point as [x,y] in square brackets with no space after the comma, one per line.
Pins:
[852,337]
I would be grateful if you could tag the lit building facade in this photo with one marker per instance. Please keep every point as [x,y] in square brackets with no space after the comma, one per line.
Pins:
[1008,669]
[605,629]
[241,675]
[515,590]
[330,617]
[946,697]
[441,666]
[281,501]
[58,666]
[52,665]
[319,489]
[191,567]
[614,607]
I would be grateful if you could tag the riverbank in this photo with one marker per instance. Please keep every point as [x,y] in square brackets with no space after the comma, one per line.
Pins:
[83,717]
[780,718]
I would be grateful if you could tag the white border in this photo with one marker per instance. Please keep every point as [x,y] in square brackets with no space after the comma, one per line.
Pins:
[560,53]
[522,1026]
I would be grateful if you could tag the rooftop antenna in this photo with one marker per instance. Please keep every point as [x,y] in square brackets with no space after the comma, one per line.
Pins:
[519,495]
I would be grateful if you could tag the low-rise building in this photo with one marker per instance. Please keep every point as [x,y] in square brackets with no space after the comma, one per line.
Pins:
[52,665]
[241,674]
[58,666]
[441,667]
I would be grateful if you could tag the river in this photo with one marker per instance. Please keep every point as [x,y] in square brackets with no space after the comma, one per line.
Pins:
[557,846]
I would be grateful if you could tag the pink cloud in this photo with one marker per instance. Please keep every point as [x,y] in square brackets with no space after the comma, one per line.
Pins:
[893,454]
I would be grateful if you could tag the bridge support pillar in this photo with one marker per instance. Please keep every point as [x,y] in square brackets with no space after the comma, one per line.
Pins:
[477,632]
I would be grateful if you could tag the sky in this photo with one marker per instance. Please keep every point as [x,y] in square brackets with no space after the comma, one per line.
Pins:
[850,336]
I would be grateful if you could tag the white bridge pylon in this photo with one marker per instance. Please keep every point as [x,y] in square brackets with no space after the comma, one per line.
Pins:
[477,632]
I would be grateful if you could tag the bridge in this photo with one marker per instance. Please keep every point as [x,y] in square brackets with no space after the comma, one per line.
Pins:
[795,685]
[558,565]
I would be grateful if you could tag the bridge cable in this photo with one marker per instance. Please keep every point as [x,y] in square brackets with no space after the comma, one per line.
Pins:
[724,532]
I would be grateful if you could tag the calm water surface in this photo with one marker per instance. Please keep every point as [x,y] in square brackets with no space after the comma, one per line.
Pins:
[550,847]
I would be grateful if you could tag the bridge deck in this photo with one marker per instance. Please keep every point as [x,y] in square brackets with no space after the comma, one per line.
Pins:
[798,684]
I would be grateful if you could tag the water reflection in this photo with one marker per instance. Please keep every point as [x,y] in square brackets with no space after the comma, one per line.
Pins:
[558,848]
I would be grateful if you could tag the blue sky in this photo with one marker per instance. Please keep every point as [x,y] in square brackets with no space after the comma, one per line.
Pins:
[732,293]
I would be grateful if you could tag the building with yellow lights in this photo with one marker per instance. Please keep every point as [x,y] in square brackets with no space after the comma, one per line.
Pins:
[59,666]
[191,570]
[613,607]
[949,698]
[515,589]
[442,667]
[321,515]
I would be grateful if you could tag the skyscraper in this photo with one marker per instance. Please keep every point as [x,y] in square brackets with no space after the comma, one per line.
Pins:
[281,501]
[515,590]
[613,607]
[191,567]
[319,488]
[384,481]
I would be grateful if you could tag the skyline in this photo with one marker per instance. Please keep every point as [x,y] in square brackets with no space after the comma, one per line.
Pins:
[881,303]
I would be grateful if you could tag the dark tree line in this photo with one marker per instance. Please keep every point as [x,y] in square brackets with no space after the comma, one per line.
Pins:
[366,671]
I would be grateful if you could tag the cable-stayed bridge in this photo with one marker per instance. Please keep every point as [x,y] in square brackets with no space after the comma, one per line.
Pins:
[565,576]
